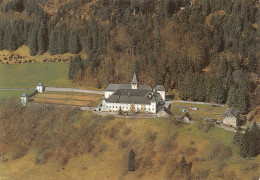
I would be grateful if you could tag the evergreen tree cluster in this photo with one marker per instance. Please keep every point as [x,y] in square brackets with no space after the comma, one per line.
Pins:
[207,49]
[248,142]
[131,160]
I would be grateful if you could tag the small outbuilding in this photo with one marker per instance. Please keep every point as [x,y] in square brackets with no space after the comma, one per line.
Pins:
[195,108]
[184,110]
[24,99]
[40,87]
[231,117]
[252,123]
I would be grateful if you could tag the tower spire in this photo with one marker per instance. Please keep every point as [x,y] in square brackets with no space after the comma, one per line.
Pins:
[134,82]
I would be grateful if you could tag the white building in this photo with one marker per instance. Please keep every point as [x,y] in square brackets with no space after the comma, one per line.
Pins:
[40,87]
[133,97]
[231,117]
[24,99]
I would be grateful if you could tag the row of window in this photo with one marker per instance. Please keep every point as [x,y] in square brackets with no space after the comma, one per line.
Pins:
[147,109]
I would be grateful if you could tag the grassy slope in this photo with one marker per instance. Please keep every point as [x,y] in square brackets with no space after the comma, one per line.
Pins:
[112,162]
[28,75]
[12,94]
[204,110]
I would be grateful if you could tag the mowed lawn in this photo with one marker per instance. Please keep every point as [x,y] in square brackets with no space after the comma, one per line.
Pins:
[28,75]
[12,94]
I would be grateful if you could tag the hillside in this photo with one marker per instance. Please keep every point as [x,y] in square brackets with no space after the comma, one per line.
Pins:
[44,147]
[207,50]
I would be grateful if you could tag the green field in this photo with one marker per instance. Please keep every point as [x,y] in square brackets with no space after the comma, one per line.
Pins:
[204,110]
[12,94]
[28,75]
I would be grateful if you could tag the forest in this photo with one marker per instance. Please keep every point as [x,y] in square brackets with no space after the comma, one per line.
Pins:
[208,50]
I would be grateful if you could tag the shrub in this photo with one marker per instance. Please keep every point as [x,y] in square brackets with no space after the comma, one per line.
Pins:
[205,125]
[220,152]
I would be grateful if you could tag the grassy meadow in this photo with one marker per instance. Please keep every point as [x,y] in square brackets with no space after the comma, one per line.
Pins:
[204,110]
[28,75]
[12,94]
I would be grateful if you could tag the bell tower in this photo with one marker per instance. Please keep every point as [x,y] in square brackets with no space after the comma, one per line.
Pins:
[134,82]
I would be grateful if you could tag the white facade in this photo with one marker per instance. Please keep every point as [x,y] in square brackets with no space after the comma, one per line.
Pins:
[132,97]
[108,93]
[230,121]
[40,87]
[134,86]
[162,93]
[114,107]
[24,99]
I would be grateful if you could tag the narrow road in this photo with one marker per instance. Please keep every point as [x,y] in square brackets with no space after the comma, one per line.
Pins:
[73,90]
[16,89]
[192,102]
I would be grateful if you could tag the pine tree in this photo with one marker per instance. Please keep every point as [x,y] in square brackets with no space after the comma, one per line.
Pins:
[53,45]
[33,41]
[1,39]
[254,143]
[76,63]
[242,100]
[74,46]
[237,136]
[42,39]
[12,44]
[131,160]
[63,41]
[184,166]
[231,100]
[120,111]
[244,144]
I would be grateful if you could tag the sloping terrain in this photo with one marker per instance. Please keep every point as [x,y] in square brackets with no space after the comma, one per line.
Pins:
[87,146]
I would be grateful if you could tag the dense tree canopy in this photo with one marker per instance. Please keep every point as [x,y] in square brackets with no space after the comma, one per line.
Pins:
[207,49]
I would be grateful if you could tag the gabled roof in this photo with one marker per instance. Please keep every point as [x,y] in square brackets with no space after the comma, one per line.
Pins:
[252,123]
[159,88]
[115,87]
[134,80]
[131,92]
[24,95]
[233,112]
[153,100]
[39,84]
[130,96]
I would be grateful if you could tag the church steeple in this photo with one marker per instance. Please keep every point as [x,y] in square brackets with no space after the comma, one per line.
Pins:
[134,82]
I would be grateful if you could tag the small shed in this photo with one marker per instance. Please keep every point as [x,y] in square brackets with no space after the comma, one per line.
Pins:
[184,110]
[40,87]
[24,99]
[252,123]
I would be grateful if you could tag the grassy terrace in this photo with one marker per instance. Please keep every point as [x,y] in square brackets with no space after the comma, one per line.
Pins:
[68,98]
